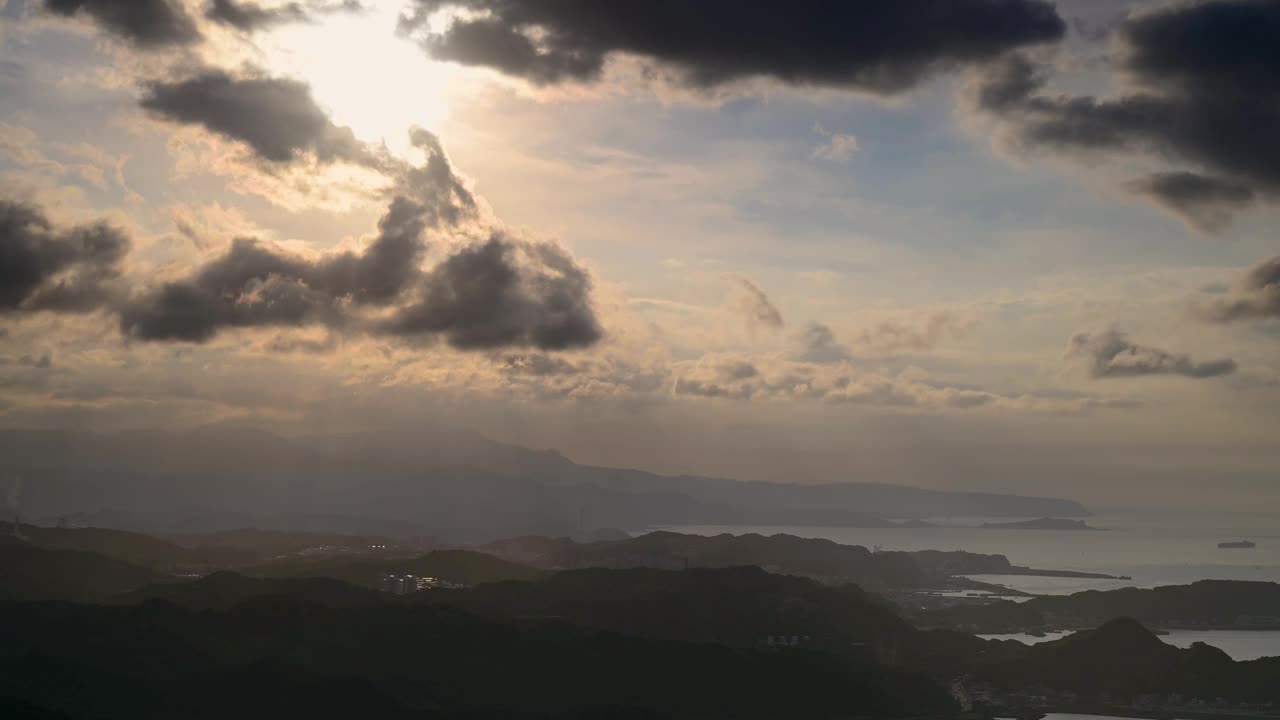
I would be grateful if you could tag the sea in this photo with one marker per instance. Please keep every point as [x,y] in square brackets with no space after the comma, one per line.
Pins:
[1151,549]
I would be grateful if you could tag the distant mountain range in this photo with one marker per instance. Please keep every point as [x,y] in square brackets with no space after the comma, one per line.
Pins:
[456,485]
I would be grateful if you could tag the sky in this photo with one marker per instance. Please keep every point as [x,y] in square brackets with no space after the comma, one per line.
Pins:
[1002,245]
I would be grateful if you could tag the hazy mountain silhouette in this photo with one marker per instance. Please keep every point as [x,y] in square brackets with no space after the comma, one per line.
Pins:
[450,482]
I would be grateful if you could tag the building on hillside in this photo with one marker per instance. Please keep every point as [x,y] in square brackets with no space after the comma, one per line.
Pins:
[405,584]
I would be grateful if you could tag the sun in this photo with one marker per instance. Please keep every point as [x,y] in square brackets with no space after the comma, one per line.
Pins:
[367,76]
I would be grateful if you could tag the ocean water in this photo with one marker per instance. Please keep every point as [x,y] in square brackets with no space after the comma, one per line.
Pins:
[1026,639]
[1151,549]
[1238,644]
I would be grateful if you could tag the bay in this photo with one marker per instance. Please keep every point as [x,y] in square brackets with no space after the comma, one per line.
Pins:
[1152,549]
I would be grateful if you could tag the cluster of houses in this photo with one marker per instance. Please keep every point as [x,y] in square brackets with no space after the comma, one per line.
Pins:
[405,584]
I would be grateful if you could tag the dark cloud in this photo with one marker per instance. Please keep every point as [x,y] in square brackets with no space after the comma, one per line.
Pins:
[250,16]
[251,285]
[254,285]
[883,47]
[503,293]
[434,185]
[738,370]
[754,305]
[144,23]
[819,345]
[276,117]
[1110,354]
[1205,202]
[1099,29]
[42,267]
[1256,297]
[1206,92]
[1010,83]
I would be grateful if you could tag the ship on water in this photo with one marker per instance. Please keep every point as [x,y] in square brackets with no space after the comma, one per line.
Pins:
[1239,544]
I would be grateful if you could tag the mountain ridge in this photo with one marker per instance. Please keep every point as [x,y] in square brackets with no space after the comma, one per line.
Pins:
[454,482]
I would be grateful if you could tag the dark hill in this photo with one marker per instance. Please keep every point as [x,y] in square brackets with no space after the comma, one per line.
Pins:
[737,606]
[1121,656]
[733,606]
[1206,603]
[1125,660]
[823,560]
[29,572]
[293,659]
[464,567]
[131,547]
[224,590]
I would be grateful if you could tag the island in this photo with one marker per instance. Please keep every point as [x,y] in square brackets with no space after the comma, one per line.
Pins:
[1041,524]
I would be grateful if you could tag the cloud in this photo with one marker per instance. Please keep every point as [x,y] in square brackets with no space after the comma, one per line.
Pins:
[251,285]
[754,305]
[882,48]
[503,293]
[918,333]
[296,343]
[768,378]
[276,117]
[905,391]
[538,365]
[1257,296]
[148,24]
[254,284]
[1110,354]
[819,346]
[40,362]
[250,17]
[600,376]
[720,377]
[1204,81]
[42,267]
[839,147]
[1206,203]
[818,343]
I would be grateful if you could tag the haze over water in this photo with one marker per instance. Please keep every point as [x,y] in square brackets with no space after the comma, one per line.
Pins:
[1152,549]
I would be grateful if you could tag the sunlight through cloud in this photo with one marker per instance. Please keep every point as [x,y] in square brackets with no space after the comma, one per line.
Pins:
[366,75]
